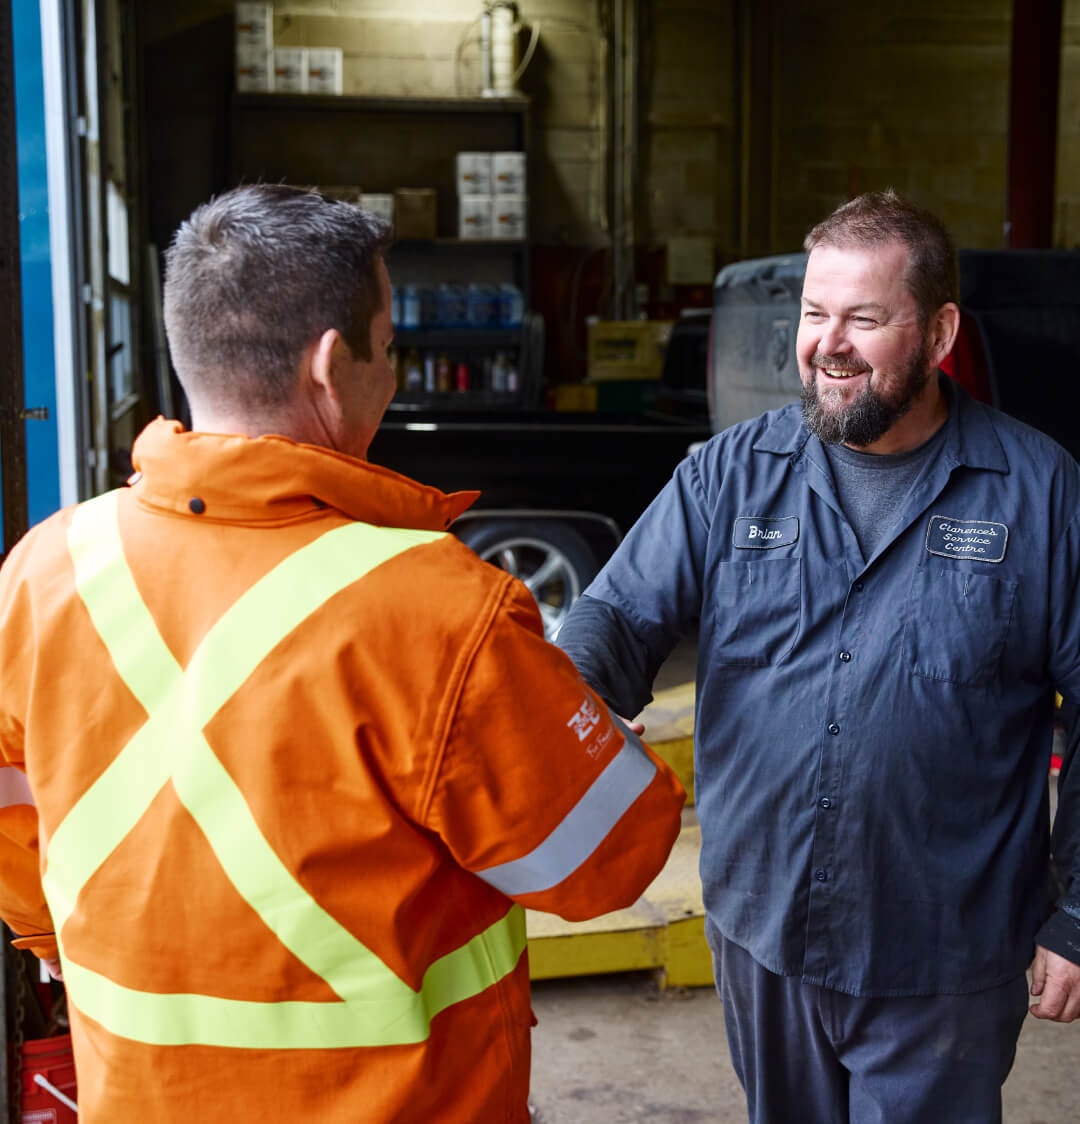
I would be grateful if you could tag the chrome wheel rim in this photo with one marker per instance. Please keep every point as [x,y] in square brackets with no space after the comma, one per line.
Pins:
[545,571]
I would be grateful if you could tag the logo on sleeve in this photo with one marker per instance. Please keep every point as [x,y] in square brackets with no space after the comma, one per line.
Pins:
[765,532]
[977,539]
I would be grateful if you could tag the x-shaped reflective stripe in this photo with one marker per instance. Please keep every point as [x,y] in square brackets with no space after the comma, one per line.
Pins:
[377,1007]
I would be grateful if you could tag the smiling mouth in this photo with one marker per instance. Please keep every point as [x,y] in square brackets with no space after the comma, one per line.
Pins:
[843,372]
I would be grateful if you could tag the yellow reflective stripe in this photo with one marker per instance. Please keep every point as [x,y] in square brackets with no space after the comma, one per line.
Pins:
[185,1019]
[171,745]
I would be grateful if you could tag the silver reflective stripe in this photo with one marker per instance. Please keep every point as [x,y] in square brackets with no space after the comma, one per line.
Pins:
[584,828]
[14,787]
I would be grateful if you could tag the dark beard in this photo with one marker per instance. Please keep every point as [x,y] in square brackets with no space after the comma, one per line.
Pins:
[869,416]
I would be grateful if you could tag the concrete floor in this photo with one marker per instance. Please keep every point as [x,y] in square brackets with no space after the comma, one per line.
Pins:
[616,1050]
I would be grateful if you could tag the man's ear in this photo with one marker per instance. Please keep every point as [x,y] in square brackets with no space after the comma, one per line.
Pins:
[323,360]
[943,329]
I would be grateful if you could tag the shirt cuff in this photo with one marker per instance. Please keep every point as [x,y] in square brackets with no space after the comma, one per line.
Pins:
[1061,934]
[42,945]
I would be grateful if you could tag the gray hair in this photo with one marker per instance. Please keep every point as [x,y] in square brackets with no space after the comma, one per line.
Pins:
[878,217]
[259,273]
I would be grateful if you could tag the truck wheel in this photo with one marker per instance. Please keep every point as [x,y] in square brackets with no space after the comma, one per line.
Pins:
[552,559]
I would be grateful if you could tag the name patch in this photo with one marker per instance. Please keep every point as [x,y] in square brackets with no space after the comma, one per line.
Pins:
[966,538]
[765,532]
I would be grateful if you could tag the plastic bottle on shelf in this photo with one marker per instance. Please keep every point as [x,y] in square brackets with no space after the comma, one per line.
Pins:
[395,305]
[442,373]
[499,372]
[461,377]
[513,380]
[414,372]
[482,305]
[410,306]
[429,372]
[511,302]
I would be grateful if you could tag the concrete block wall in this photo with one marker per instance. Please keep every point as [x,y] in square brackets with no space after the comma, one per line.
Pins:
[1067,193]
[912,95]
[687,121]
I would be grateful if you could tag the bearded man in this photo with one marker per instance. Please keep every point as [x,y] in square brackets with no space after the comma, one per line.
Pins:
[886,585]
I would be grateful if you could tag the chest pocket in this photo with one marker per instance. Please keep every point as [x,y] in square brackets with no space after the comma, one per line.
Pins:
[758,607]
[957,624]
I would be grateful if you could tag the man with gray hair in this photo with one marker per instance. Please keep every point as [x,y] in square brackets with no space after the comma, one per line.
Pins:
[296,757]
[886,583]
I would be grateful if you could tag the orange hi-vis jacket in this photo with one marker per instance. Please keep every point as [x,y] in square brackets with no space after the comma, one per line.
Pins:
[282,762]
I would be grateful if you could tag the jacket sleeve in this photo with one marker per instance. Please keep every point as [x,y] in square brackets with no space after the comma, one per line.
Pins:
[645,598]
[22,900]
[540,791]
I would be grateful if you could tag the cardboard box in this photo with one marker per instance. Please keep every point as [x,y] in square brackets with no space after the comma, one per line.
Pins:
[325,69]
[508,173]
[254,70]
[627,349]
[380,205]
[575,398]
[415,212]
[290,70]
[474,216]
[510,217]
[255,26]
[473,173]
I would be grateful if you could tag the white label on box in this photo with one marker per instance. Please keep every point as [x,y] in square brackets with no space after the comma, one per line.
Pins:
[324,70]
[473,173]
[474,216]
[254,70]
[290,70]
[509,216]
[255,26]
[381,206]
[508,173]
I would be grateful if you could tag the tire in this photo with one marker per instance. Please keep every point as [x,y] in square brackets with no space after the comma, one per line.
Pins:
[551,558]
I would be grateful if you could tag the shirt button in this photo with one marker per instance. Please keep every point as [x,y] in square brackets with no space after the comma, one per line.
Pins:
[821,875]
[845,657]
[196,505]
[826,802]
[858,587]
[833,728]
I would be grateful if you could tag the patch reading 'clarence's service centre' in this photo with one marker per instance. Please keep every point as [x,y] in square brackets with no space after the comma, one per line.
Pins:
[765,532]
[966,538]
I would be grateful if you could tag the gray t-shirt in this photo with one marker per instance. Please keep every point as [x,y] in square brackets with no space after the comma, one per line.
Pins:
[872,486]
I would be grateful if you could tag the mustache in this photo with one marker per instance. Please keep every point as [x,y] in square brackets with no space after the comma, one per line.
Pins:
[838,362]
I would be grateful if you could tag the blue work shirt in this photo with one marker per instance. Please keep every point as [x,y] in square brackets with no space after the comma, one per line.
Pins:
[872,735]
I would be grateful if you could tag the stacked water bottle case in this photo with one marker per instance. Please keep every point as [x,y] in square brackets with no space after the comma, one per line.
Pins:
[460,323]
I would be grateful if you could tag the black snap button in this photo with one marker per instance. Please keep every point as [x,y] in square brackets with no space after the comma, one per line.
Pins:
[858,587]
[833,728]
[196,505]
[821,875]
[845,657]
[826,802]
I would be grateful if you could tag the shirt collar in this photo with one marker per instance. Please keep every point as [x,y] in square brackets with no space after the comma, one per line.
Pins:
[971,440]
[274,480]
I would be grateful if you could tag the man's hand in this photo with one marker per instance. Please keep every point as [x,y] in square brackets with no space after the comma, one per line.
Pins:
[53,968]
[635,727]
[1056,983]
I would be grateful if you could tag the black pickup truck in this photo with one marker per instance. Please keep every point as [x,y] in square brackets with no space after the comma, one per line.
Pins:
[559,490]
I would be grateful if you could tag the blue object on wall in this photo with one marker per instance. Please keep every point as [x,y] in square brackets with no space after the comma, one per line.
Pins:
[39,379]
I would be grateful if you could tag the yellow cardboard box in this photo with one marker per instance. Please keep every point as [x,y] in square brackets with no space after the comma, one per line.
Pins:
[627,349]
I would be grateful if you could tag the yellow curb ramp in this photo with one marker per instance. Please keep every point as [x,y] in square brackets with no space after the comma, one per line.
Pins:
[664,930]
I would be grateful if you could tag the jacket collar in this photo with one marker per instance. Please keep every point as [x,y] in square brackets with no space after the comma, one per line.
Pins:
[274,480]
[972,439]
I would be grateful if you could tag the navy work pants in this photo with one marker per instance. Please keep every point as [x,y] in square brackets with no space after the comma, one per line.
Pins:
[810,1055]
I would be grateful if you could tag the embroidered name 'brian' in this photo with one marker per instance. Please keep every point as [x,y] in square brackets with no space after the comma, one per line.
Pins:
[765,532]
